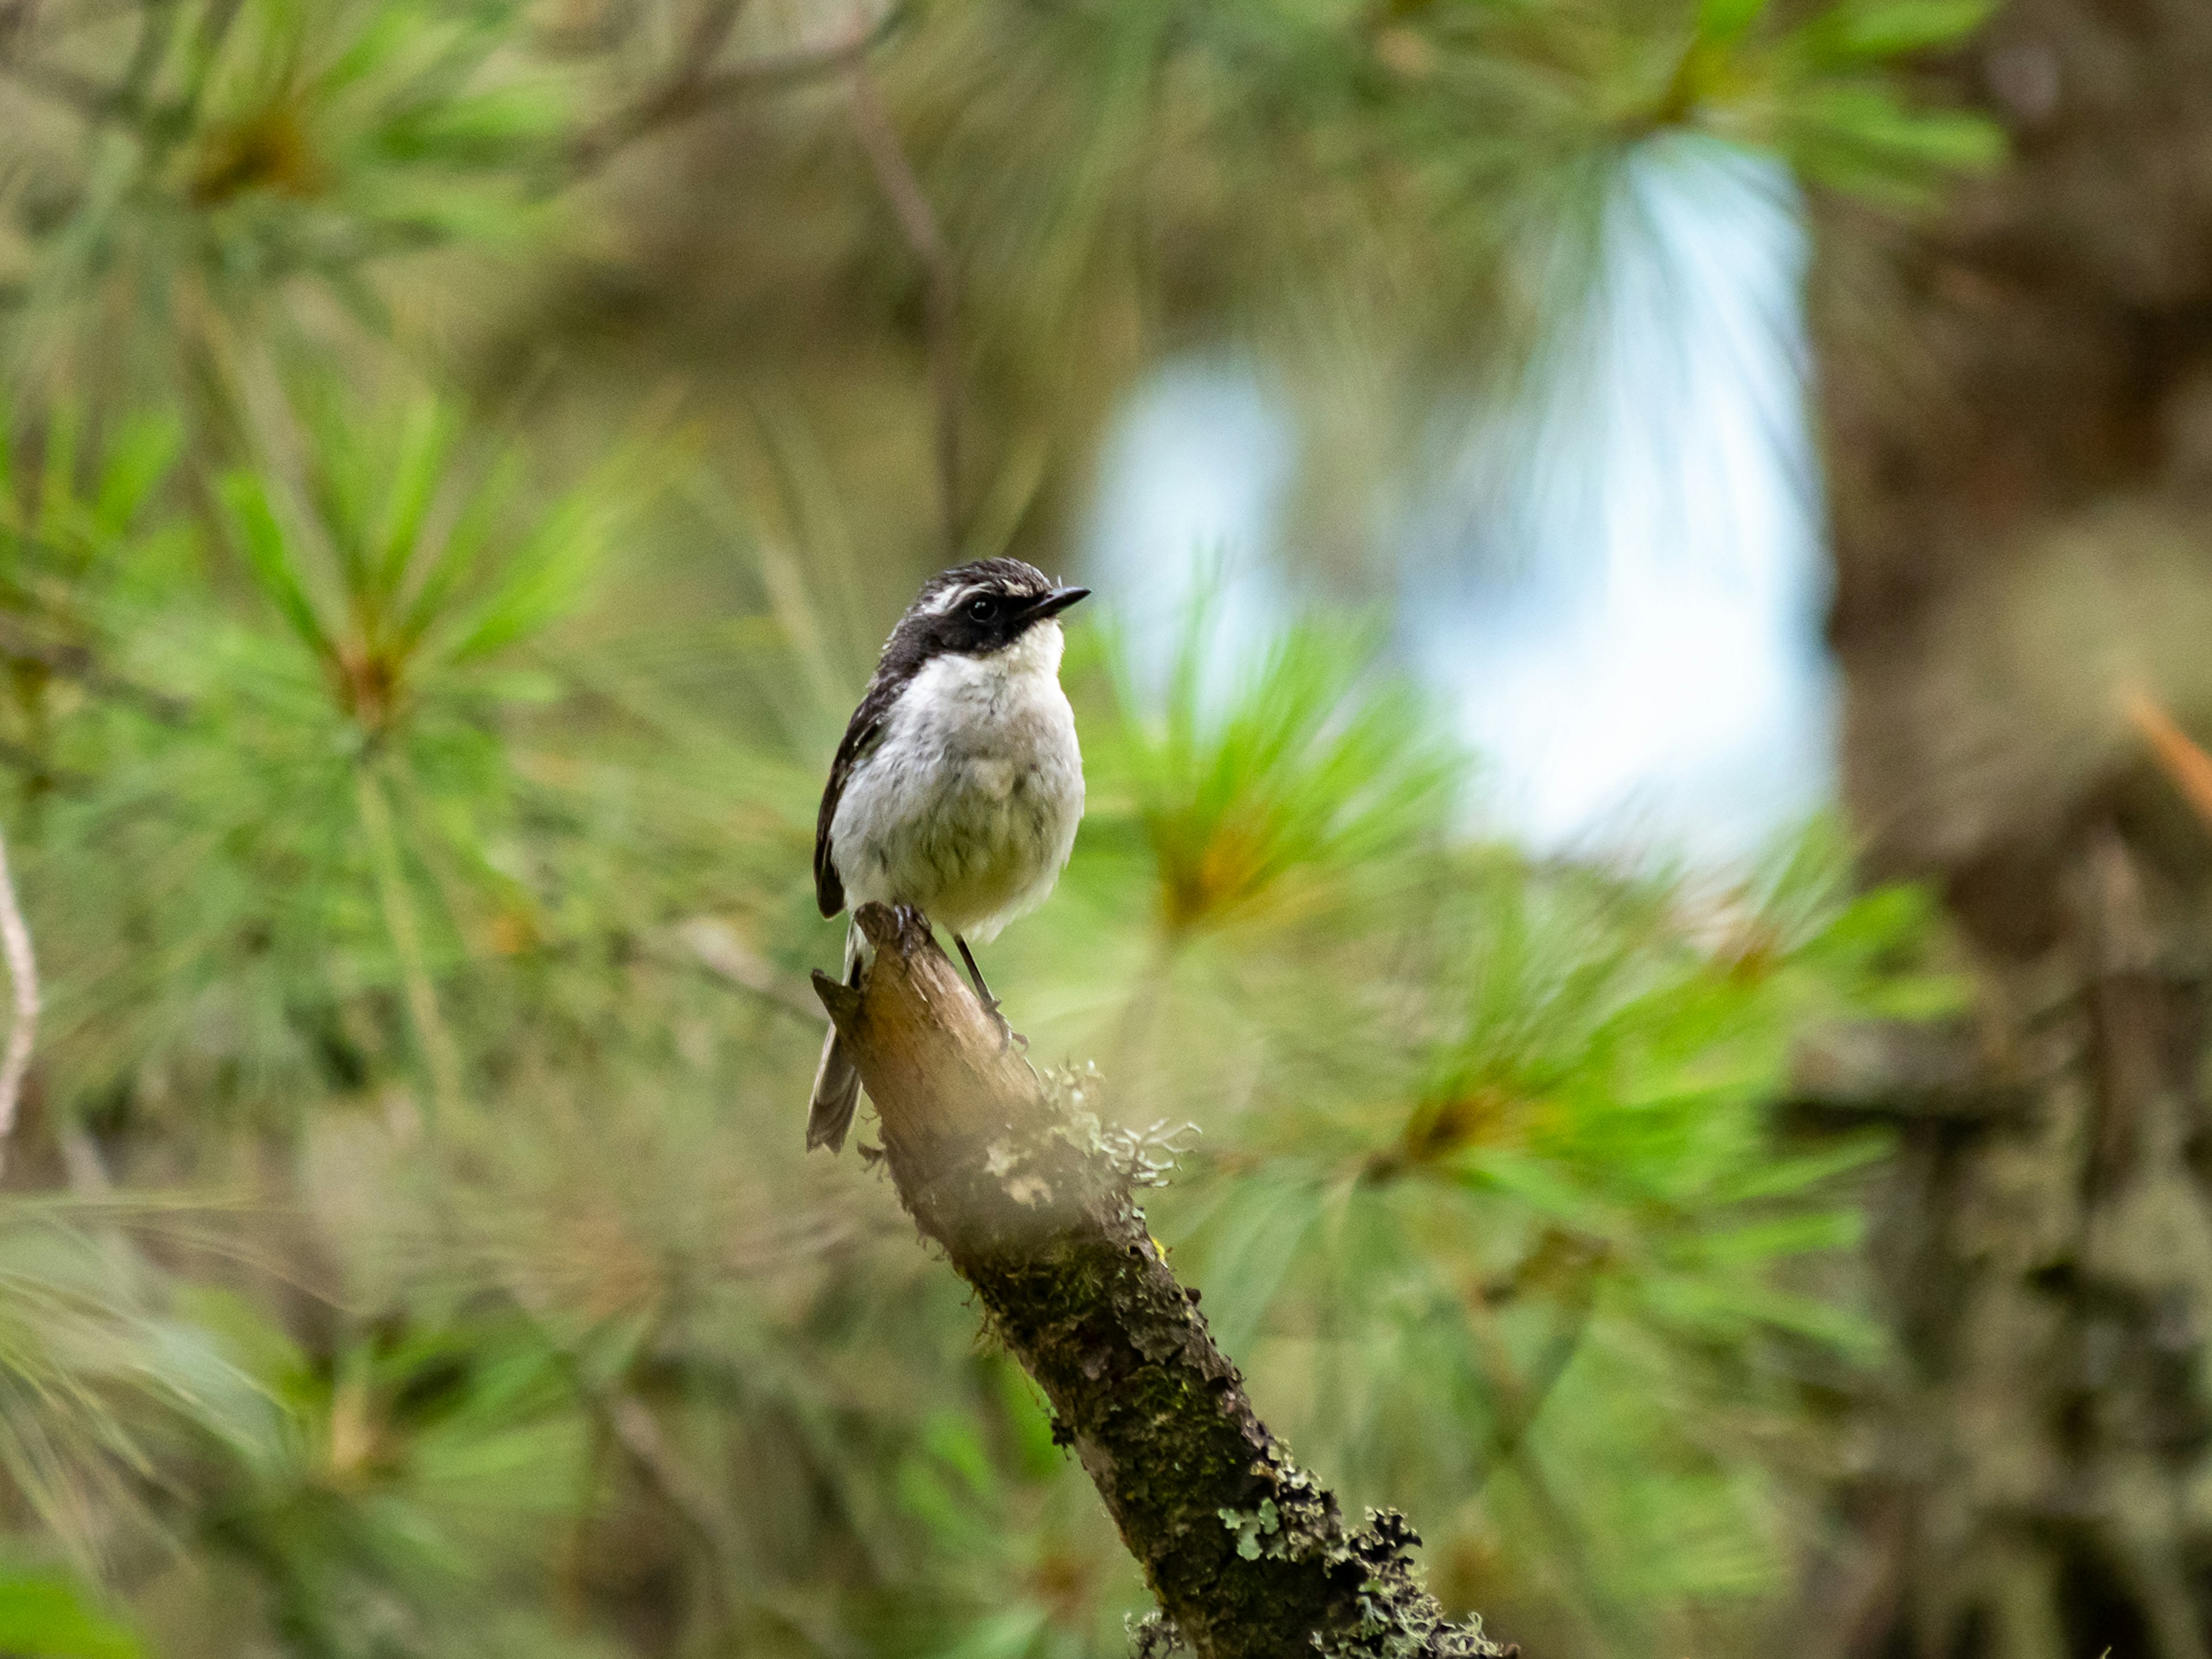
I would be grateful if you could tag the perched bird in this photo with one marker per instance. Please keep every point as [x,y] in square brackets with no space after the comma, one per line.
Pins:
[958,786]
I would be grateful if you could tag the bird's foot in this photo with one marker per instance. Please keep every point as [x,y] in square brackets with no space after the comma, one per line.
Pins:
[1008,1037]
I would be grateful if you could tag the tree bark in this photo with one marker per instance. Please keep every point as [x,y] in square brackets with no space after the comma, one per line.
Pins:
[1030,1199]
[2017,397]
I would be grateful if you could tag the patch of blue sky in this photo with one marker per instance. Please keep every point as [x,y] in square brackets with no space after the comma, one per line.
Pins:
[1618,585]
[1193,483]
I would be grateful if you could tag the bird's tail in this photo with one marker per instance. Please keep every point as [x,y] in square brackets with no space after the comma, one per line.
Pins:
[837,1081]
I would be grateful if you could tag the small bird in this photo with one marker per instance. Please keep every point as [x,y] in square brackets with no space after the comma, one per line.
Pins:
[958,786]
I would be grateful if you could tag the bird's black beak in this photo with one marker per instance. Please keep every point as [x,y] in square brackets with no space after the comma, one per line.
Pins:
[1058,601]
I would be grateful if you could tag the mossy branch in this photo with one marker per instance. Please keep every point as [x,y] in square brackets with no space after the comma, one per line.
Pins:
[1248,1553]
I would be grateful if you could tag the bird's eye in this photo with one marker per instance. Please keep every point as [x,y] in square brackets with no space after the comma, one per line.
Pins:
[983,609]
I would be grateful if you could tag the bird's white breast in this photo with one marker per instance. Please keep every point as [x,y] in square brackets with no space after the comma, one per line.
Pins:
[968,804]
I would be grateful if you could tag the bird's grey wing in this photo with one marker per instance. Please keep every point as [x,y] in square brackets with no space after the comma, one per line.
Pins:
[865,731]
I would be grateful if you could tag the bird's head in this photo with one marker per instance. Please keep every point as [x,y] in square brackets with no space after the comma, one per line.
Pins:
[976,609]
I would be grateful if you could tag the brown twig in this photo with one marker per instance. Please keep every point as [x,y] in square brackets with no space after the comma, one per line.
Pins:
[694,87]
[917,220]
[2178,756]
[637,1431]
[23,980]
[668,101]
[714,947]
[77,663]
[627,1422]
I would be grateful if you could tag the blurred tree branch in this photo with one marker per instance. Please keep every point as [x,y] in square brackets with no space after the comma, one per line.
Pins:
[902,188]
[694,87]
[2177,755]
[715,945]
[1031,1200]
[72,661]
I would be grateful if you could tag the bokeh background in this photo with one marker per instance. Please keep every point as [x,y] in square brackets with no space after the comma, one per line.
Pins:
[1645,841]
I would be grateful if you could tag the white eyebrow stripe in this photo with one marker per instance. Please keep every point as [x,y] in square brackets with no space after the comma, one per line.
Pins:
[949,599]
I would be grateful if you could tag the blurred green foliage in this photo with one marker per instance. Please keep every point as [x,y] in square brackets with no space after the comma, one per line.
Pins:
[412,713]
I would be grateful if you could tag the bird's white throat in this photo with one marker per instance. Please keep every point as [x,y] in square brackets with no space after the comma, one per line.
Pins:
[1038,651]
[999,685]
